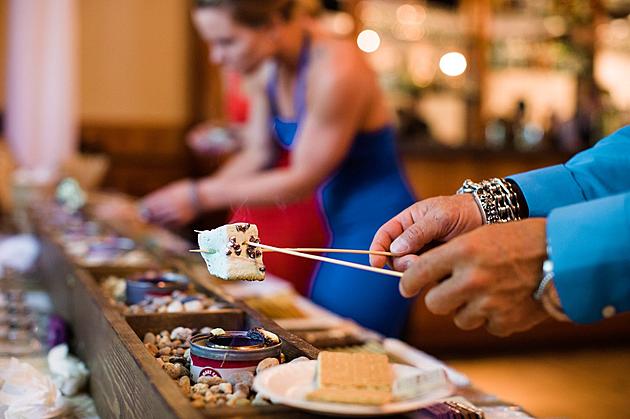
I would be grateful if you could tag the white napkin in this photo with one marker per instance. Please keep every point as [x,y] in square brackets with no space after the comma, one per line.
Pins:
[26,393]
[68,372]
[19,252]
[422,360]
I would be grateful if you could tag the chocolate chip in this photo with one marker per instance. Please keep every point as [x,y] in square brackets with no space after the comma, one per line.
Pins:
[242,227]
[228,253]
[262,269]
[258,253]
[237,252]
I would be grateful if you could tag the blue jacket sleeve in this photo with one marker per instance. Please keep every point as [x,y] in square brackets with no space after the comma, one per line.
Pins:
[601,171]
[590,250]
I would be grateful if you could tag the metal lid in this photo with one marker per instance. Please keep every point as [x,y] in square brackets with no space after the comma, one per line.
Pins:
[233,346]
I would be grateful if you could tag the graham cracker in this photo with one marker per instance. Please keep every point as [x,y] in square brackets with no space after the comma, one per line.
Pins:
[360,378]
[351,396]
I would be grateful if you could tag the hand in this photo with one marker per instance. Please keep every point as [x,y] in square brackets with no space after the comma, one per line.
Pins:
[486,277]
[116,208]
[432,220]
[209,139]
[173,206]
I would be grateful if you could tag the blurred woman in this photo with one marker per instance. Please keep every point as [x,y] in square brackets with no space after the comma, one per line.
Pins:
[319,133]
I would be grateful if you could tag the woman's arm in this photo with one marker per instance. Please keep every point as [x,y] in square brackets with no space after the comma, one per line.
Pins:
[341,91]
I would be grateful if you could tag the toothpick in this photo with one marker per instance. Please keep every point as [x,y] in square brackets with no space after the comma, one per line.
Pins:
[208,251]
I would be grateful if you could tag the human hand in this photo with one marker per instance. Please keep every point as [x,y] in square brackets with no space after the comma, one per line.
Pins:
[209,138]
[486,277]
[432,220]
[116,208]
[173,206]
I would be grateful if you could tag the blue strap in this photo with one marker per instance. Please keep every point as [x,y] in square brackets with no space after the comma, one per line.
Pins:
[299,95]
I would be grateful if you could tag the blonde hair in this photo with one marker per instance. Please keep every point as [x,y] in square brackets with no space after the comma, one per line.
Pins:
[253,12]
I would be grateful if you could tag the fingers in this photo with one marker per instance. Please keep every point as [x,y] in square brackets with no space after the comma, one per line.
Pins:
[384,238]
[155,211]
[415,237]
[403,263]
[388,234]
[471,316]
[448,296]
[499,328]
[429,268]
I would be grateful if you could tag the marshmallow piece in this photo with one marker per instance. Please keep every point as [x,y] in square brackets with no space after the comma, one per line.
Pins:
[229,257]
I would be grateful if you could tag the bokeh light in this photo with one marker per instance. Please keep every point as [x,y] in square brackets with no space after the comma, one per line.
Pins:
[368,41]
[453,64]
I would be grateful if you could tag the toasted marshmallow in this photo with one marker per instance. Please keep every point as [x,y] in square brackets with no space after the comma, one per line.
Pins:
[228,255]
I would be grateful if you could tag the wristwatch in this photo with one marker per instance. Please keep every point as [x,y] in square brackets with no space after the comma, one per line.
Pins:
[547,294]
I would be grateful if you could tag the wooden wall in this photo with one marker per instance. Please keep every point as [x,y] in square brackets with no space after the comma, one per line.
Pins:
[135,61]
[3,51]
[441,172]
[145,82]
[142,157]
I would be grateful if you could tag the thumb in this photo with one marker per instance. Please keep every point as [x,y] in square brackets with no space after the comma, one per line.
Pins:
[417,236]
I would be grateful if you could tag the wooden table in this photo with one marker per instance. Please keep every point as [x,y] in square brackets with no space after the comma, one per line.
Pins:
[125,380]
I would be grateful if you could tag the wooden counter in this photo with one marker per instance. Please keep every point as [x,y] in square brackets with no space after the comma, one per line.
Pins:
[125,380]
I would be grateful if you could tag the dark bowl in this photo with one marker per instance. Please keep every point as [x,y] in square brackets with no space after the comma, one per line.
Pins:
[154,283]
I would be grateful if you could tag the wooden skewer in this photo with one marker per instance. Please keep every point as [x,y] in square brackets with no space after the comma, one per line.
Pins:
[328,260]
[324,250]
[315,250]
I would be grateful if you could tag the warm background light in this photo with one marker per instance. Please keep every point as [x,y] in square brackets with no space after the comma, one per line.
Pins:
[369,41]
[342,23]
[453,64]
[410,14]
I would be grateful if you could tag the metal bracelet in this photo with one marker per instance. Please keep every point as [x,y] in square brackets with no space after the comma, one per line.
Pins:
[545,281]
[496,199]
[195,200]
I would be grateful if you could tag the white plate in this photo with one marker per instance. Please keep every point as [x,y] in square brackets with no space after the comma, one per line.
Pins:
[288,384]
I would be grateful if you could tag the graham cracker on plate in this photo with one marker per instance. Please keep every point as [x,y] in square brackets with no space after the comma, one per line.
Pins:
[358,378]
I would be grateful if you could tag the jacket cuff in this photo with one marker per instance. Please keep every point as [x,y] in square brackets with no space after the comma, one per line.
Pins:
[548,188]
[590,250]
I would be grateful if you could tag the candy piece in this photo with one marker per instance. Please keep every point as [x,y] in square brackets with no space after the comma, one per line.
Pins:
[266,364]
[227,254]
[269,337]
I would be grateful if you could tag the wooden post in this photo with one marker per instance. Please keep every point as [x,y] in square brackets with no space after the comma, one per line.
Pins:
[478,15]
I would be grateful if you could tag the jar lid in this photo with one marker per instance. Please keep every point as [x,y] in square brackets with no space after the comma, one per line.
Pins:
[233,346]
